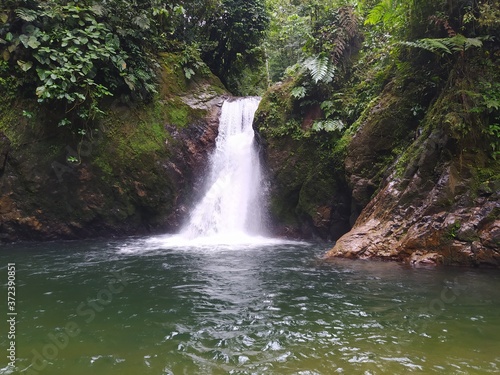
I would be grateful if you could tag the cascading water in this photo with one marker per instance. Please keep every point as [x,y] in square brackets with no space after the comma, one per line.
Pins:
[231,206]
[230,214]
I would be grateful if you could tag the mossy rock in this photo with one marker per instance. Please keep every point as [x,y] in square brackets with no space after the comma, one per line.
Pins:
[124,175]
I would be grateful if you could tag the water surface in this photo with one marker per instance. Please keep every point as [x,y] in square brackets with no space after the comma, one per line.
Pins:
[265,308]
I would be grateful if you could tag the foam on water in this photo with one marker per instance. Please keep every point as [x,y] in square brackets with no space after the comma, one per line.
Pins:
[225,242]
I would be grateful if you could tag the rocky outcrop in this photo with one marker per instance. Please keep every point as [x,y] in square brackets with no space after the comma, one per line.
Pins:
[436,202]
[193,146]
[388,125]
[133,175]
[307,197]
[4,152]
[434,227]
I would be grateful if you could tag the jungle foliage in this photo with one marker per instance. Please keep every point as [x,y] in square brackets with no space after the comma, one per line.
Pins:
[339,54]
[71,55]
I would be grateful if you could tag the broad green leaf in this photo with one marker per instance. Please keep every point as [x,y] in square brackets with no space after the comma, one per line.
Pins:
[188,72]
[40,91]
[24,40]
[298,92]
[42,74]
[33,42]
[24,65]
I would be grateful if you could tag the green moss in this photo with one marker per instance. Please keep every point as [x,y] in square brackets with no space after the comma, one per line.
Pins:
[283,206]
[275,117]
[17,128]
[318,190]
[172,77]
[104,166]
[177,114]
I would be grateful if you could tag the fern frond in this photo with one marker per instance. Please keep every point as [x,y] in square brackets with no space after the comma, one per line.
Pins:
[329,125]
[338,51]
[462,43]
[433,45]
[345,35]
[442,46]
[28,15]
[319,68]
[348,21]
[380,12]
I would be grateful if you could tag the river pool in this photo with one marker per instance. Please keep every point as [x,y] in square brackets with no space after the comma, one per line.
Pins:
[150,306]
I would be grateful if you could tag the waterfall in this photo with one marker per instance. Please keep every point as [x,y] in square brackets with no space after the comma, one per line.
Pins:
[230,206]
[229,215]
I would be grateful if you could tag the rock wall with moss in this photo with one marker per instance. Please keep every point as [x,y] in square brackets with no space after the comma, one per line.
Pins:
[133,174]
[308,194]
[415,177]
[438,200]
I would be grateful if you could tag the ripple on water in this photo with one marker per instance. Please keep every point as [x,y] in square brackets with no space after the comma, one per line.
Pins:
[272,309]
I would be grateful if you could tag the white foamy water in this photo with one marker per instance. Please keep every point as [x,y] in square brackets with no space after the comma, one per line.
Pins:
[227,242]
[231,205]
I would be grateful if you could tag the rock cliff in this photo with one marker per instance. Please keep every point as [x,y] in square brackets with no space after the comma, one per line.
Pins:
[415,178]
[438,202]
[132,174]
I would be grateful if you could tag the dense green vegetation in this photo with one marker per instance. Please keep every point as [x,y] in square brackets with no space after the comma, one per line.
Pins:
[340,55]
[337,56]
[362,86]
[71,55]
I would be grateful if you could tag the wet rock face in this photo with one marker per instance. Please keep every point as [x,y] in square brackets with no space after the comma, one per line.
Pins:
[307,197]
[189,163]
[138,176]
[420,192]
[389,124]
[4,152]
[421,221]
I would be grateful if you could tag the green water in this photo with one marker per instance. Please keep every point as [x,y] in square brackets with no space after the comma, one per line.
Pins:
[136,308]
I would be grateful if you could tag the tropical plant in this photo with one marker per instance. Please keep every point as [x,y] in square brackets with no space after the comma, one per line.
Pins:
[66,47]
[441,46]
[337,34]
[319,68]
[234,36]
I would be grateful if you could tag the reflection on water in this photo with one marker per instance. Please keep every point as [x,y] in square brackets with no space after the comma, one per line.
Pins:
[255,308]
